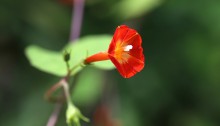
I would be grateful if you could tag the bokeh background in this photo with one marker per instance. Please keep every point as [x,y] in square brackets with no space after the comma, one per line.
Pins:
[179,86]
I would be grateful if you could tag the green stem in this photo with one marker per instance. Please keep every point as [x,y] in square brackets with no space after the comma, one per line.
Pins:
[80,64]
[68,66]
[66,92]
[63,82]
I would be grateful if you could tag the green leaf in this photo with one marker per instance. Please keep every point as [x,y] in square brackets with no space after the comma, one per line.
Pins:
[91,45]
[52,62]
[89,87]
[126,9]
[46,60]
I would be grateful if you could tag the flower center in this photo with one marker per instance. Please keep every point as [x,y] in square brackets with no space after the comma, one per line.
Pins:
[122,52]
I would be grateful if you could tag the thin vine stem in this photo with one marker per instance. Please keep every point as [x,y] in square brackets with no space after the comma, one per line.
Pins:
[76,22]
[77,18]
[55,114]
[66,92]
[71,72]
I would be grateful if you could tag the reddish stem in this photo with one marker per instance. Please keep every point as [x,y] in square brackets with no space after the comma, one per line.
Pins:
[77,17]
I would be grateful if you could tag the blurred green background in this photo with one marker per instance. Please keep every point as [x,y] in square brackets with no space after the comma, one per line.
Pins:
[179,86]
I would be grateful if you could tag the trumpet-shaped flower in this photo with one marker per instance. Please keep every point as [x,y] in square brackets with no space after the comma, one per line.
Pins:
[125,52]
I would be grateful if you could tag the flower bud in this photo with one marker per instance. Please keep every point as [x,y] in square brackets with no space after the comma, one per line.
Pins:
[73,116]
[66,56]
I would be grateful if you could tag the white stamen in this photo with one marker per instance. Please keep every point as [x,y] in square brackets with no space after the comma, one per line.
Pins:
[128,48]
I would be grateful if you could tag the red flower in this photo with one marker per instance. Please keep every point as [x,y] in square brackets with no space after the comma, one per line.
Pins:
[124,51]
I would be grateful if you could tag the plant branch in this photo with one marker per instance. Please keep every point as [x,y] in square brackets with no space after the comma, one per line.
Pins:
[55,114]
[77,17]
[59,103]
[66,91]
[48,94]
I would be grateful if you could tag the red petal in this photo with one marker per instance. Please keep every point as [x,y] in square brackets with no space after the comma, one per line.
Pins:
[127,61]
[128,69]
[137,50]
[118,36]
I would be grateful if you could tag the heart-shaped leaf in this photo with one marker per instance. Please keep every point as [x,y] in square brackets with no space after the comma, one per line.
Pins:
[52,62]
[46,60]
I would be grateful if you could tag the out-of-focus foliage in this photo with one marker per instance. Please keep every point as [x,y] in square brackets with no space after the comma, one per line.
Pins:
[88,89]
[178,87]
[128,9]
[122,10]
